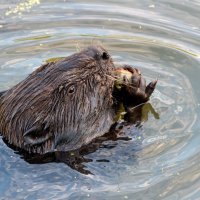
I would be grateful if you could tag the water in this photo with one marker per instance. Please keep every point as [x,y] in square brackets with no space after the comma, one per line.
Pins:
[162,38]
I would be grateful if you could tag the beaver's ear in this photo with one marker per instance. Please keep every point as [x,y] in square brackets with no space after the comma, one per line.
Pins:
[36,135]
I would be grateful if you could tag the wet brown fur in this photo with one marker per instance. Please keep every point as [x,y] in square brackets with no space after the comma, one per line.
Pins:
[61,105]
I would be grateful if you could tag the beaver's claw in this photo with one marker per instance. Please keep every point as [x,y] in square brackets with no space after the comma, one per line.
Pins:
[133,87]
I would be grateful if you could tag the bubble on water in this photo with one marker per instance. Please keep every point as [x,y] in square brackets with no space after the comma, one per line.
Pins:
[152,6]
[139,137]
[178,110]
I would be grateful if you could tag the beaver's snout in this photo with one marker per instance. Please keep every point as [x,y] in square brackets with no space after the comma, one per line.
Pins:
[98,53]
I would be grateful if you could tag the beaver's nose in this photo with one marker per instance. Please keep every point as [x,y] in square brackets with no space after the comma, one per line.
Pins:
[105,56]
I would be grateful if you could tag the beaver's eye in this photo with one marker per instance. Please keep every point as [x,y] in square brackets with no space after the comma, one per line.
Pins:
[71,89]
[105,55]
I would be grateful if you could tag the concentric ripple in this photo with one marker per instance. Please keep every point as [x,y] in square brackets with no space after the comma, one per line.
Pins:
[162,38]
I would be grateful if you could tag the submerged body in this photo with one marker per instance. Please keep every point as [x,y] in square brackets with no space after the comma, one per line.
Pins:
[64,105]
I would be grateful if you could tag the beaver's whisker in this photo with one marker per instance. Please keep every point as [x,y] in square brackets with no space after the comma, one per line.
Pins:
[138,106]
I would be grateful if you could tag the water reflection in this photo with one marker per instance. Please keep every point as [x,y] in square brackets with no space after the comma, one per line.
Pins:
[162,39]
[22,7]
[130,122]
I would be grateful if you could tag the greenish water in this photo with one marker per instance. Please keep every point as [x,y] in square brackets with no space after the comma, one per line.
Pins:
[162,38]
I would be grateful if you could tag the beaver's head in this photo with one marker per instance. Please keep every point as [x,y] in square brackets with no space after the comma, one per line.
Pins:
[62,105]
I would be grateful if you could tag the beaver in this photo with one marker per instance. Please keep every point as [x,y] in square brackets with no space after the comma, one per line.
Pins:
[64,105]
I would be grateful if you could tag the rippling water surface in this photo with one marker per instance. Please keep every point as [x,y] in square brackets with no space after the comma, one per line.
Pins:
[162,38]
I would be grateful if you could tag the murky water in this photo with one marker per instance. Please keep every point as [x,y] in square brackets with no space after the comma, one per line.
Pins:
[162,38]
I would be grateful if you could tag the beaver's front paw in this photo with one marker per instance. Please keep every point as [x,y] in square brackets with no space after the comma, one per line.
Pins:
[131,86]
